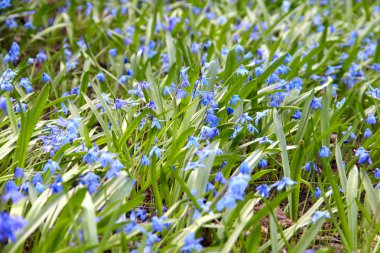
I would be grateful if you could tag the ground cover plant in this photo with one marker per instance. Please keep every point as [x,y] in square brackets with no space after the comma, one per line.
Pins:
[186,126]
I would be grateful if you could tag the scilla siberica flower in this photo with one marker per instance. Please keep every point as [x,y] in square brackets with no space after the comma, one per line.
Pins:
[10,226]
[363,156]
[52,166]
[191,243]
[235,191]
[245,168]
[319,215]
[367,133]
[281,184]
[12,192]
[324,152]
[263,190]
[317,192]
[371,119]
[315,103]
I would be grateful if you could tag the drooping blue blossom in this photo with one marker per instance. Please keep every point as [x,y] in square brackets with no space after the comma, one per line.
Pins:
[371,119]
[235,191]
[106,158]
[319,215]
[101,77]
[367,133]
[51,165]
[57,186]
[219,177]
[263,163]
[91,180]
[315,103]
[191,244]
[377,173]
[297,115]
[12,192]
[324,152]
[363,155]
[159,223]
[18,173]
[45,78]
[281,184]
[317,192]
[245,168]
[309,165]
[145,161]
[155,151]
[263,190]
[10,226]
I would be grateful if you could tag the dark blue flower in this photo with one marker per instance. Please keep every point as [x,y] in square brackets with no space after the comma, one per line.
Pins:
[317,192]
[282,183]
[315,103]
[56,186]
[263,190]
[297,115]
[10,226]
[371,119]
[245,168]
[12,192]
[367,133]
[45,78]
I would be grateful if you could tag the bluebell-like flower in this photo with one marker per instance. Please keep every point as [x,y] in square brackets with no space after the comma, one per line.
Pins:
[159,223]
[112,52]
[57,186]
[371,119]
[210,133]
[156,151]
[24,82]
[241,70]
[377,173]
[263,190]
[235,191]
[297,115]
[18,173]
[155,123]
[106,159]
[363,156]
[41,57]
[235,99]
[237,129]
[145,161]
[315,103]
[324,152]
[259,71]
[191,244]
[317,192]
[10,225]
[282,183]
[101,77]
[319,215]
[12,192]
[367,133]
[91,155]
[193,165]
[91,180]
[245,168]
[310,165]
[45,78]
[192,141]
[51,165]
[219,177]
[263,163]
[243,118]
[265,140]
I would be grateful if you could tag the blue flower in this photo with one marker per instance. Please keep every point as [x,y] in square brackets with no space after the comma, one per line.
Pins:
[145,161]
[367,133]
[252,129]
[112,52]
[56,186]
[100,76]
[237,129]
[12,192]
[91,181]
[119,103]
[191,244]
[192,141]
[259,71]
[219,177]
[155,123]
[10,226]
[106,158]
[156,151]
[19,173]
[210,133]
[297,115]
[241,70]
[371,119]
[317,192]
[158,224]
[245,168]
[52,166]
[310,165]
[263,190]
[324,152]
[282,183]
[235,191]
[319,215]
[263,163]
[315,103]
[363,156]
[377,173]
[45,78]
[91,155]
